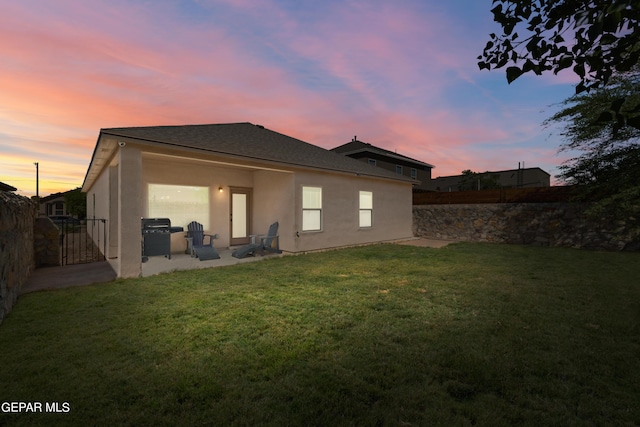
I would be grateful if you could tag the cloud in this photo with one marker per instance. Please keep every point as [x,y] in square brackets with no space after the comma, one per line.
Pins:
[400,75]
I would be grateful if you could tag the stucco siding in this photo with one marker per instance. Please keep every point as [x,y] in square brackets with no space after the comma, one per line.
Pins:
[277,197]
[130,210]
[274,198]
[392,211]
[98,203]
[195,173]
[272,194]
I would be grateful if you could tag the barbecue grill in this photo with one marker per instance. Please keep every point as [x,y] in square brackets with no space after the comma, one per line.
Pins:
[156,236]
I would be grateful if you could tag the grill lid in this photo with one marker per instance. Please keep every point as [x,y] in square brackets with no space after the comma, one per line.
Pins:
[156,224]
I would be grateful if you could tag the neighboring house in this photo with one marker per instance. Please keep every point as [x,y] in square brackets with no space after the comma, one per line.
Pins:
[389,160]
[237,179]
[6,187]
[512,178]
[52,205]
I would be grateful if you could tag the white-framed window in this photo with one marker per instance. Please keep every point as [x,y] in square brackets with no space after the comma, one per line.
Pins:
[372,162]
[414,173]
[311,208]
[366,209]
[180,203]
[399,169]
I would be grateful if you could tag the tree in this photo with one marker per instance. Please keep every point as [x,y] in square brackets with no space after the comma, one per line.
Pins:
[76,203]
[597,38]
[607,168]
[478,181]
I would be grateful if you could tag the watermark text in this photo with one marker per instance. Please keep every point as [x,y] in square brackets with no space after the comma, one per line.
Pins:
[34,407]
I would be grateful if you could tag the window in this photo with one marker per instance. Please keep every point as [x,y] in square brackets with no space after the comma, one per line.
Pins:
[59,208]
[399,169]
[181,204]
[372,162]
[414,173]
[311,208]
[366,209]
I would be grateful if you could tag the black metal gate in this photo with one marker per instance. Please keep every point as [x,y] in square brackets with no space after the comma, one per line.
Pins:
[82,242]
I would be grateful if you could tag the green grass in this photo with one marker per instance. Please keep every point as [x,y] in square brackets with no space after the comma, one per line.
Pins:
[381,335]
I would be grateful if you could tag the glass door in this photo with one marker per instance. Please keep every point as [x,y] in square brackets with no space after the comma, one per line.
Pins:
[240,221]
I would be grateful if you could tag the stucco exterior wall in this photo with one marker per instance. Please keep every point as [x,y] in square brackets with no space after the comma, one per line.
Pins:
[392,211]
[271,199]
[423,173]
[274,198]
[277,196]
[129,210]
[98,206]
[165,171]
[115,195]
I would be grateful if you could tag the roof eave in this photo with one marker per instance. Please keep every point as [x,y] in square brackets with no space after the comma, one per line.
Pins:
[395,156]
[92,174]
[99,152]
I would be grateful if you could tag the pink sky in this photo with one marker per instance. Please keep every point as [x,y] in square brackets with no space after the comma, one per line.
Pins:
[399,75]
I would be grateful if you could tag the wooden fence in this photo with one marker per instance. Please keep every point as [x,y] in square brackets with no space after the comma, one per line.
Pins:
[503,195]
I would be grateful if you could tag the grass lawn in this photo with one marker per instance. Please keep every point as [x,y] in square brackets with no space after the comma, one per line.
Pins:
[381,335]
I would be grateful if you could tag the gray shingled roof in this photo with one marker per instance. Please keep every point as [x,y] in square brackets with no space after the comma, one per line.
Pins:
[252,142]
[359,146]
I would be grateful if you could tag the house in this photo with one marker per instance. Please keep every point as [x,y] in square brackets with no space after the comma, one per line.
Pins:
[389,160]
[236,179]
[52,205]
[512,178]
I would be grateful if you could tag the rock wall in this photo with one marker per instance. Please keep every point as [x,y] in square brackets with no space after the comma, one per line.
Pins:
[46,244]
[544,224]
[17,214]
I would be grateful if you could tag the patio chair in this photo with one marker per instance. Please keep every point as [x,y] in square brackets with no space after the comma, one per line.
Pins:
[202,251]
[268,242]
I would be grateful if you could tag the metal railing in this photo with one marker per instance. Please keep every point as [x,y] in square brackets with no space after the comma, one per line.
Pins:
[82,242]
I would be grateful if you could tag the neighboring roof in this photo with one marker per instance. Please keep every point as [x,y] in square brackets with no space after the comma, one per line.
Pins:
[53,196]
[247,141]
[6,187]
[496,172]
[356,146]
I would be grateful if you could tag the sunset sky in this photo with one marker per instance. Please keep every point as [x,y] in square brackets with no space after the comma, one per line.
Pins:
[401,75]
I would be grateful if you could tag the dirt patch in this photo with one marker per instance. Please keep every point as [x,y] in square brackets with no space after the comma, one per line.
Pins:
[427,243]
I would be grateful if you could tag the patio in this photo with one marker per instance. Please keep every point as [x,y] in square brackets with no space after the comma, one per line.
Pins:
[104,271]
[160,264]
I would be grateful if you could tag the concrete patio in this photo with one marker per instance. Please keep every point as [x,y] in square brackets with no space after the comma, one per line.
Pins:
[105,271]
[68,276]
[160,264]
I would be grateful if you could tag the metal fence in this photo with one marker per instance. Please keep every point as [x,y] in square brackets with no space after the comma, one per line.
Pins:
[82,242]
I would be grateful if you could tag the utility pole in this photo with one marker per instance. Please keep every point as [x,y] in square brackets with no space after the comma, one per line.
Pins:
[37,181]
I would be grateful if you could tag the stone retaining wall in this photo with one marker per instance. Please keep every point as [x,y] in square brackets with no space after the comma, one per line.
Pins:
[544,224]
[46,244]
[17,214]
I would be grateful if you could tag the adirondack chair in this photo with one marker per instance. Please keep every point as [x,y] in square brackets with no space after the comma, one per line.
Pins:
[262,243]
[197,236]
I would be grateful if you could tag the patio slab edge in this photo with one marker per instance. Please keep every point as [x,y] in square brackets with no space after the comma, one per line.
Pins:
[69,276]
